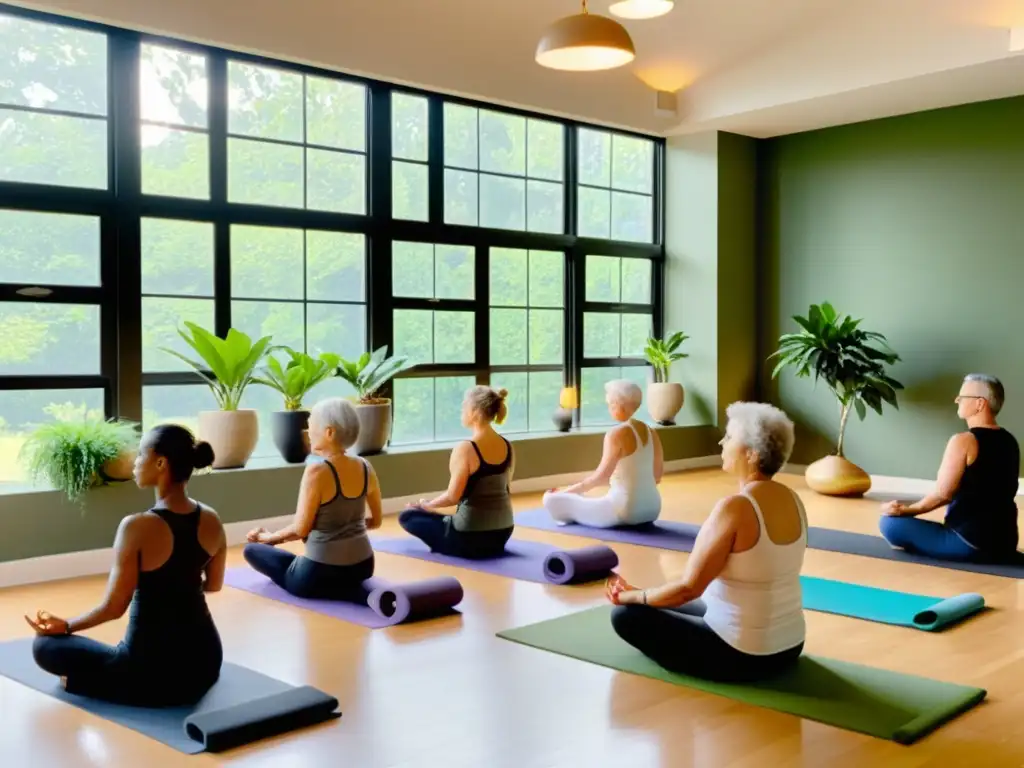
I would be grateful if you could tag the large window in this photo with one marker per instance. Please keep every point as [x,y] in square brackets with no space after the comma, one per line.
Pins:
[146,182]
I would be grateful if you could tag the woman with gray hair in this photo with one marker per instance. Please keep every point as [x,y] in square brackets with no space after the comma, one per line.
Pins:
[330,517]
[745,565]
[631,464]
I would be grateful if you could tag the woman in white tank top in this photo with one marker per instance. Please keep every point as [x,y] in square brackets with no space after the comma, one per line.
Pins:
[631,464]
[745,565]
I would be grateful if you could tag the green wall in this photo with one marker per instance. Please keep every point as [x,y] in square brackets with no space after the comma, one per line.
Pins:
[41,523]
[916,224]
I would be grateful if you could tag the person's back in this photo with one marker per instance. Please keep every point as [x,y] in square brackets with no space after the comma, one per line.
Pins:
[486,504]
[983,511]
[756,604]
[633,484]
[338,536]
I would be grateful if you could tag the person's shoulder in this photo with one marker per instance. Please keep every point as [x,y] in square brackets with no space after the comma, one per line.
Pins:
[733,509]
[206,511]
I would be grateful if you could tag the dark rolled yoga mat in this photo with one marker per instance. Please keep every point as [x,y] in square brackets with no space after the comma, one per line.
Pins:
[425,599]
[222,729]
[572,566]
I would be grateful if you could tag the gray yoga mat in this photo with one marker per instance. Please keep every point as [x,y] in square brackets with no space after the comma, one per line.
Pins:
[244,706]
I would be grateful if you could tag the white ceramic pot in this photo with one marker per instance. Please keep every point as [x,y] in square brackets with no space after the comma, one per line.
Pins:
[374,427]
[231,434]
[664,401]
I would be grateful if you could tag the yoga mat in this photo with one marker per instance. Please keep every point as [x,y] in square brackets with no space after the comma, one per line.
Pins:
[385,604]
[888,606]
[244,706]
[888,705]
[526,560]
[665,534]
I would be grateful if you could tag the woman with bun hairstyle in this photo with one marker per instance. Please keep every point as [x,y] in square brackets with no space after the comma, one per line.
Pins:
[481,471]
[165,561]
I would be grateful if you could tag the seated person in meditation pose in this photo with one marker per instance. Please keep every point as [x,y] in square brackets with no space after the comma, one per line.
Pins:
[977,479]
[165,560]
[480,473]
[745,564]
[631,465]
[330,516]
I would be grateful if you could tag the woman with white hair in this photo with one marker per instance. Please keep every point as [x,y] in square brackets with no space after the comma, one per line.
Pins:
[330,517]
[631,464]
[745,565]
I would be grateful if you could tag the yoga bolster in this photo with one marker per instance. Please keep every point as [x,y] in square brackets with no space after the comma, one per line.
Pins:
[568,566]
[413,601]
[222,729]
[950,610]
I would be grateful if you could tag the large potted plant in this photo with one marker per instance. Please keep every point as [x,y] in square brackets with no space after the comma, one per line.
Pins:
[367,375]
[293,381]
[74,456]
[852,363]
[664,397]
[231,432]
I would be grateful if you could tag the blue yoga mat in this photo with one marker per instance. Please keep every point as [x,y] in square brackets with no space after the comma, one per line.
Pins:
[888,606]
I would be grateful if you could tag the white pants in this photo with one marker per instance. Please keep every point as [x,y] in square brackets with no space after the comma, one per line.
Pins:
[602,511]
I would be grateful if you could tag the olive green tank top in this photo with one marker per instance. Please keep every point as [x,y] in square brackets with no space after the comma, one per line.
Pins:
[486,504]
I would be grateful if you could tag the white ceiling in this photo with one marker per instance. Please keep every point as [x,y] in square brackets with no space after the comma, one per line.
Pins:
[756,67]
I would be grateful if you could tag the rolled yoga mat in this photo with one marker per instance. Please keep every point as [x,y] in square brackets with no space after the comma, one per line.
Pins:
[679,537]
[244,706]
[384,604]
[525,560]
[878,702]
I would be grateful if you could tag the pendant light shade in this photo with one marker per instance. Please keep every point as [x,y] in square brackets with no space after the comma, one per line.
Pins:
[585,42]
[641,9]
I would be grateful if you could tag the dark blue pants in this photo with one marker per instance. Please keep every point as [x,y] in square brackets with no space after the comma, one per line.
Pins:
[438,533]
[307,578]
[678,640]
[924,537]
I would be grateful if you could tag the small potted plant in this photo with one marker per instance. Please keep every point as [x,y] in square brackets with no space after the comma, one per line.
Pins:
[231,432]
[74,456]
[664,397]
[852,363]
[293,381]
[367,375]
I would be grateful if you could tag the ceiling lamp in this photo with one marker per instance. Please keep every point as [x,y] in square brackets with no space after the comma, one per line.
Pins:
[585,42]
[641,9]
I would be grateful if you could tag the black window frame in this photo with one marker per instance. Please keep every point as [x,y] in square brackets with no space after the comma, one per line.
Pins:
[122,206]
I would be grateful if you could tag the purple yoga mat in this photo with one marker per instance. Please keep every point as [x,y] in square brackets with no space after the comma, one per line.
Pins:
[662,534]
[525,560]
[387,603]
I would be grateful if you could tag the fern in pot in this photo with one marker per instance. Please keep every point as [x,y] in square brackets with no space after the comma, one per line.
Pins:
[664,397]
[293,381]
[853,364]
[74,456]
[228,367]
[367,375]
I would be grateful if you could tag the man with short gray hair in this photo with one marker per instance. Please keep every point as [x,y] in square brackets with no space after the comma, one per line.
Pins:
[978,481]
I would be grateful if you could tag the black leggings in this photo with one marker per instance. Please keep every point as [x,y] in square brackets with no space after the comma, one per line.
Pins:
[307,578]
[680,641]
[438,533]
[106,672]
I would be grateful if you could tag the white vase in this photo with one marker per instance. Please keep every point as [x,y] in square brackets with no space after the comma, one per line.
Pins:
[664,401]
[374,427]
[231,434]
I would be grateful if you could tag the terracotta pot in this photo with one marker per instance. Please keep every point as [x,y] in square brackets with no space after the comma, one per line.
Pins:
[374,427]
[119,469]
[231,434]
[291,436]
[836,476]
[664,401]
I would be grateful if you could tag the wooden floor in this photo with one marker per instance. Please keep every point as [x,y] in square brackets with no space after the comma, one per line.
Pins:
[448,693]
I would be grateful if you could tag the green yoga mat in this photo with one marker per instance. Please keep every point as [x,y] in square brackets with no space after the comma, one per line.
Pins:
[881,703]
[886,606]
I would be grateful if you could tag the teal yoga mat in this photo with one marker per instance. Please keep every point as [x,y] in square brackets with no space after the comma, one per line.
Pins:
[878,702]
[887,606]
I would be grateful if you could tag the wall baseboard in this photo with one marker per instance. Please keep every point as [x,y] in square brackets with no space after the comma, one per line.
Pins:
[94,562]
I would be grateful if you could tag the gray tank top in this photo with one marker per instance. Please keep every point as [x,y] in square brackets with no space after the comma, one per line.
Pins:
[486,504]
[339,528]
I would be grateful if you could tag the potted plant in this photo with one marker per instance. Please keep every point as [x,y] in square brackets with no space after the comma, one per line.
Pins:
[74,456]
[293,381]
[230,431]
[367,375]
[664,397]
[852,362]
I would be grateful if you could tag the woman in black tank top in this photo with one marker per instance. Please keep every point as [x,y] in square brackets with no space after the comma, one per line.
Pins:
[165,560]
